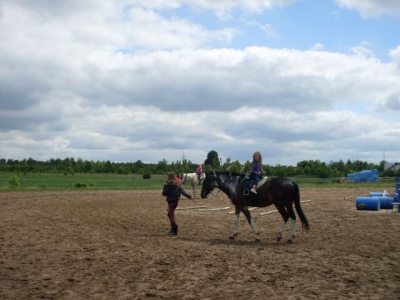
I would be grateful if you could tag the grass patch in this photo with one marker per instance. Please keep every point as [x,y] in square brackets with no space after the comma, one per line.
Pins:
[35,181]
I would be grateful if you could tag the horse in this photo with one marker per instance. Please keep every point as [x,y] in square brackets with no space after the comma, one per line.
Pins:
[194,181]
[282,192]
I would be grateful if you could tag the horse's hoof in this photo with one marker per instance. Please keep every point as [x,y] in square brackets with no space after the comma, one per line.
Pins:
[231,237]
[257,240]
[290,241]
[278,239]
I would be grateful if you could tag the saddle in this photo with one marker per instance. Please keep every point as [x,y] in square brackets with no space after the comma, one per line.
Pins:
[246,184]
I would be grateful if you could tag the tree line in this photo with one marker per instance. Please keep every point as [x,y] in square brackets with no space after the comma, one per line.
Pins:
[305,168]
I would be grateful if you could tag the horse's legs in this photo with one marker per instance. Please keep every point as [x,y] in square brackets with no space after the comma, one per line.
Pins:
[279,237]
[194,191]
[193,183]
[285,217]
[293,217]
[236,229]
[252,223]
[286,213]
[293,230]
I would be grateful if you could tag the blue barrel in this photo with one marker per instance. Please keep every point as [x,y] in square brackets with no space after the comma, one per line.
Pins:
[398,199]
[386,202]
[378,194]
[368,203]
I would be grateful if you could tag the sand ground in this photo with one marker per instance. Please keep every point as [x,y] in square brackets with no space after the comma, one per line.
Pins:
[114,245]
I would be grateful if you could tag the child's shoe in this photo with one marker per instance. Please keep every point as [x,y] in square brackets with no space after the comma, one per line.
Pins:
[253,191]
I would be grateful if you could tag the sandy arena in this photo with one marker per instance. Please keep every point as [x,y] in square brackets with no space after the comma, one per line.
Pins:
[114,245]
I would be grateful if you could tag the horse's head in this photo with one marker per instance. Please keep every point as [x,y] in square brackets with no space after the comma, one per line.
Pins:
[209,184]
[184,178]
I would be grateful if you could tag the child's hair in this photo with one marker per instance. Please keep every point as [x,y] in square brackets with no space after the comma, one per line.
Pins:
[171,177]
[259,153]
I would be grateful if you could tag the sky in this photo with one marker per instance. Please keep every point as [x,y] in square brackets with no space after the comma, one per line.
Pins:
[154,80]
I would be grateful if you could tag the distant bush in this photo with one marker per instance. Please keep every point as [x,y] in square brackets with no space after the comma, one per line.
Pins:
[80,185]
[42,186]
[14,181]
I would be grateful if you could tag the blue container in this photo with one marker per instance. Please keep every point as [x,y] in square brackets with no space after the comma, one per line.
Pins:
[378,194]
[368,203]
[386,202]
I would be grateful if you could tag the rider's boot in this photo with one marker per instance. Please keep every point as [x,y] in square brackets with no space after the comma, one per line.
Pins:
[174,230]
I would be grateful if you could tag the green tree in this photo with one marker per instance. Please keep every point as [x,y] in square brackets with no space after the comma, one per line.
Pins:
[162,167]
[234,168]
[212,159]
[227,164]
[88,166]
[247,167]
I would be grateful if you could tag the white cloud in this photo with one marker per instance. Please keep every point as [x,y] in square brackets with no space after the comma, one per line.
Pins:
[362,51]
[219,79]
[269,30]
[222,8]
[372,8]
[120,132]
[395,55]
[136,28]
[318,47]
[120,80]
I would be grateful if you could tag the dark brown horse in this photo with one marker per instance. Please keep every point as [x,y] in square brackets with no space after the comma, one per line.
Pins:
[281,192]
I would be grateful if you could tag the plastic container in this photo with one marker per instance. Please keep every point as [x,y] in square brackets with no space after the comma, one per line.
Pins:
[368,203]
[398,197]
[397,189]
[378,194]
[386,202]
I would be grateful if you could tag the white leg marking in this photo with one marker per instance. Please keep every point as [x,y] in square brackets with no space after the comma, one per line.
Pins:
[281,230]
[255,229]
[236,229]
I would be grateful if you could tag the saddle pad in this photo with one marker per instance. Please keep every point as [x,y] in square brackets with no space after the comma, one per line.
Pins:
[262,181]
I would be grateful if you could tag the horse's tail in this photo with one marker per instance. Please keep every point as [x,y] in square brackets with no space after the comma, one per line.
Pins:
[300,212]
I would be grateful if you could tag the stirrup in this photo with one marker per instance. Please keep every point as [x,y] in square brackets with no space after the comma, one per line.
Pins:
[246,192]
